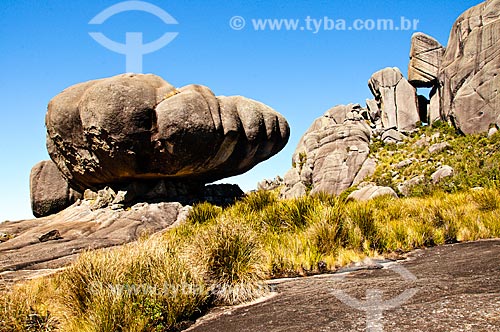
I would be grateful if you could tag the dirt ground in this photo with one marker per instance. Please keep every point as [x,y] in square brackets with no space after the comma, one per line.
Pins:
[447,288]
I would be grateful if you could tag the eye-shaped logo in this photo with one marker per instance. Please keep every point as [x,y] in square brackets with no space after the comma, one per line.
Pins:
[133,48]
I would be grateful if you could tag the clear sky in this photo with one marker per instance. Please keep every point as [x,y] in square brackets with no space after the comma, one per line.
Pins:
[45,47]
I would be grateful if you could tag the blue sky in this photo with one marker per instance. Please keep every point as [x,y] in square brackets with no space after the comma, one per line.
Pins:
[45,47]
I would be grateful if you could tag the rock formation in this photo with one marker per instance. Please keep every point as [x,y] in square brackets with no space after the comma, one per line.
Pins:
[425,59]
[139,134]
[138,127]
[50,192]
[441,173]
[396,99]
[470,71]
[370,192]
[330,154]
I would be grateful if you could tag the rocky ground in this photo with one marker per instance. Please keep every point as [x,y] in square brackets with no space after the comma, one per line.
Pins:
[42,246]
[450,288]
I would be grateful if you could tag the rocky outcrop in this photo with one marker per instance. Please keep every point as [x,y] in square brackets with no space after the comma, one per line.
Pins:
[50,192]
[470,71]
[396,99]
[425,59]
[330,154]
[134,128]
[40,246]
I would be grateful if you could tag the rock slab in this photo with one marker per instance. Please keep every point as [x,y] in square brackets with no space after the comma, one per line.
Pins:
[40,246]
[396,98]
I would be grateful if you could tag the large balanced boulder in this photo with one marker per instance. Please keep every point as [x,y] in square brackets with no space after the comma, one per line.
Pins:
[426,54]
[330,154]
[396,99]
[136,127]
[50,192]
[470,70]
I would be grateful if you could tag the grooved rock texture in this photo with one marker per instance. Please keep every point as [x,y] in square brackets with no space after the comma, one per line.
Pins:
[330,154]
[470,71]
[396,98]
[50,192]
[425,58]
[136,127]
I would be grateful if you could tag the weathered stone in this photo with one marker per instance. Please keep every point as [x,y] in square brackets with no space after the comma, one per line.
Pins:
[367,170]
[49,191]
[439,147]
[441,173]
[82,229]
[53,235]
[397,99]
[267,184]
[330,154]
[435,105]
[426,54]
[370,192]
[392,136]
[135,127]
[423,141]
[104,197]
[470,71]
[456,288]
[406,186]
[404,163]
